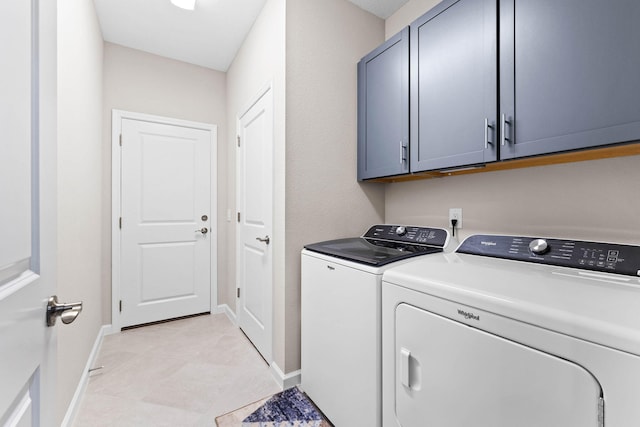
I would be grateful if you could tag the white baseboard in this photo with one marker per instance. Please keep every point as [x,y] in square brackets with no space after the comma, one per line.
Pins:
[74,405]
[224,308]
[285,381]
[108,330]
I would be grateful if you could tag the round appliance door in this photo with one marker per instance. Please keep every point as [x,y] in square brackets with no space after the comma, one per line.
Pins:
[450,375]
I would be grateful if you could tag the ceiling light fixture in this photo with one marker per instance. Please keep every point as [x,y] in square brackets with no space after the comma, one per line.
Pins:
[185,4]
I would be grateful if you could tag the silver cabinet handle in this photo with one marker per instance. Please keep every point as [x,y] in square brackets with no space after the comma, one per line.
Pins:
[403,156]
[487,126]
[505,122]
[266,239]
[203,230]
[66,311]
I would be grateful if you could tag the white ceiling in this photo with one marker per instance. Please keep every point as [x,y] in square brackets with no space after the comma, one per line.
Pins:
[381,8]
[209,36]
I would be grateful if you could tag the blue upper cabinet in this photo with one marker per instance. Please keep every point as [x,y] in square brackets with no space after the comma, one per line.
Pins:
[476,81]
[383,109]
[569,75]
[454,82]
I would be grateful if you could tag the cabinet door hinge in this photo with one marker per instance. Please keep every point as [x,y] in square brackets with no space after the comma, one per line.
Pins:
[120,306]
[120,140]
[601,412]
[238,139]
[120,222]
[238,216]
[238,293]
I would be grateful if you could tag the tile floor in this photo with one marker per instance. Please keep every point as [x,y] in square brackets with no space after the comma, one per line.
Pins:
[180,373]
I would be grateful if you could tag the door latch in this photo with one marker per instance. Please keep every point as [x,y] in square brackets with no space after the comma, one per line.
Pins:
[68,312]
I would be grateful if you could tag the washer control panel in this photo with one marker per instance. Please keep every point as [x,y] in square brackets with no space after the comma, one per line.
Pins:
[408,234]
[605,257]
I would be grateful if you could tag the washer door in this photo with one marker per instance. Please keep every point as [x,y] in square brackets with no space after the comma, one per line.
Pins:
[450,374]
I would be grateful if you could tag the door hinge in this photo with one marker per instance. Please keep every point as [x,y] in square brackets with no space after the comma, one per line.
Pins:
[120,140]
[601,412]
[238,216]
[120,222]
[238,138]
[120,306]
[238,293]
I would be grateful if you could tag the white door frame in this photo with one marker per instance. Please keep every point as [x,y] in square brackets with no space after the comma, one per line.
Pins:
[116,182]
[239,171]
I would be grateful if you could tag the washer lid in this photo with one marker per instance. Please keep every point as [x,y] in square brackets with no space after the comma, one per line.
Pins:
[385,243]
[597,307]
[369,252]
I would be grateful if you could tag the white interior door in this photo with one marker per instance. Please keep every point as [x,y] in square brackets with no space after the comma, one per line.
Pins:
[451,375]
[254,232]
[166,231]
[28,211]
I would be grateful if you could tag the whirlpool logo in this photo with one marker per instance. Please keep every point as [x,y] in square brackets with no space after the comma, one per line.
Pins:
[468,316]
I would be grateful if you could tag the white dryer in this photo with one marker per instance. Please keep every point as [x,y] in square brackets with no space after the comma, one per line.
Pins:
[513,332]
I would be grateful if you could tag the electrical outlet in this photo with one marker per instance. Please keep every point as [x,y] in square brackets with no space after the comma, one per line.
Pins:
[456,213]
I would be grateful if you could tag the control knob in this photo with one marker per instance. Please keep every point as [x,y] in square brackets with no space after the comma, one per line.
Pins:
[401,231]
[539,246]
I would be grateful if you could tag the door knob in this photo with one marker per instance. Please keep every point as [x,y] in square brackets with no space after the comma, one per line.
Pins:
[67,312]
[266,239]
[203,230]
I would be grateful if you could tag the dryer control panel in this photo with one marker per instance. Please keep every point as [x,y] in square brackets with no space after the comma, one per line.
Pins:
[605,257]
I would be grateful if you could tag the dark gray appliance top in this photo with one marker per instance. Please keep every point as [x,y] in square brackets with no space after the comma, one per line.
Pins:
[384,244]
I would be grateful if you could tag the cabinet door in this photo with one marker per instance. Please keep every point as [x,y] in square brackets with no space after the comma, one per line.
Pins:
[569,74]
[383,109]
[454,85]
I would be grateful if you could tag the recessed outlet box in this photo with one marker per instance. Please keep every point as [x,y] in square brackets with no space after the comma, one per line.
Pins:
[456,213]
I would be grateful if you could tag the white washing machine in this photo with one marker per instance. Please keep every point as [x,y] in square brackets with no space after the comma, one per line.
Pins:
[341,317]
[513,332]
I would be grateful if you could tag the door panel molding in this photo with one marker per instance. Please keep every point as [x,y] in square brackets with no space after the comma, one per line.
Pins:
[116,207]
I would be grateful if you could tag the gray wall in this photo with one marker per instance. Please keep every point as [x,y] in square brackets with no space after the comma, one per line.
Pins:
[597,200]
[591,200]
[79,187]
[145,83]
[325,41]
[406,14]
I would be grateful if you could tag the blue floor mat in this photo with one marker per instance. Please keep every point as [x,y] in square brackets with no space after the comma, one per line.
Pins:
[286,409]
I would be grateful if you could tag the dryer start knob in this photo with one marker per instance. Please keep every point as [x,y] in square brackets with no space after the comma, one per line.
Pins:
[539,246]
[401,231]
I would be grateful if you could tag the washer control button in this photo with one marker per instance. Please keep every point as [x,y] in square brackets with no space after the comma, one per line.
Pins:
[401,231]
[539,246]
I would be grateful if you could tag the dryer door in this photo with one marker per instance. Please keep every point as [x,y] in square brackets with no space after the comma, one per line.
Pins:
[450,375]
